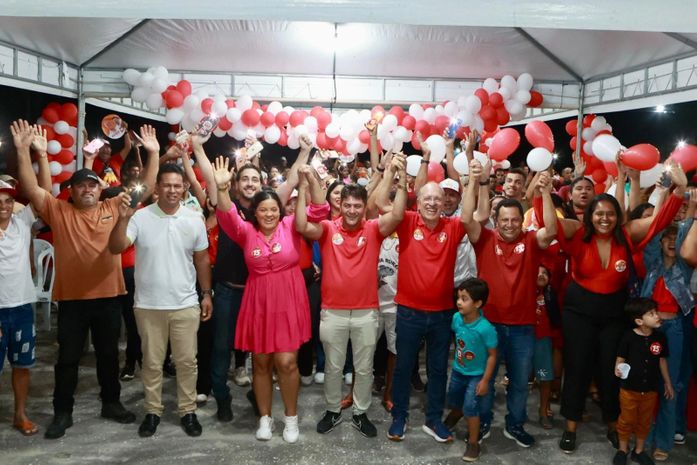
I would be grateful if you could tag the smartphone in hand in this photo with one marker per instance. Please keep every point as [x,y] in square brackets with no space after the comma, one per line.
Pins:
[93,146]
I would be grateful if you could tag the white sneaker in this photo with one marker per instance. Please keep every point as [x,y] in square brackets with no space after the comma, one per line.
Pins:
[201,398]
[679,439]
[348,379]
[306,380]
[291,433]
[265,430]
[319,377]
[241,378]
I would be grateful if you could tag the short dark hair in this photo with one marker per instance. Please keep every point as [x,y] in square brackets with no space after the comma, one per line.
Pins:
[636,308]
[508,203]
[671,229]
[476,288]
[355,191]
[247,166]
[517,171]
[170,168]
[265,194]
[639,210]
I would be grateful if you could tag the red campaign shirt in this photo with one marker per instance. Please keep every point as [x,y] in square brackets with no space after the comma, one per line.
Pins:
[542,327]
[665,300]
[213,234]
[115,163]
[510,269]
[350,265]
[128,257]
[305,255]
[427,262]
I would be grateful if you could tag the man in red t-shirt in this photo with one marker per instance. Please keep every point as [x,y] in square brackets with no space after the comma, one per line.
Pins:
[350,247]
[508,259]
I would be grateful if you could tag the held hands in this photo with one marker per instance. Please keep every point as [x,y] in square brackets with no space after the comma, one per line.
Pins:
[544,183]
[304,173]
[39,142]
[148,138]
[222,173]
[22,134]
[397,163]
[475,171]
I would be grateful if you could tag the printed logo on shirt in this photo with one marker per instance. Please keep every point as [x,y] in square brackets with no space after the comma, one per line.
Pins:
[620,266]
[276,247]
[361,241]
[106,219]
[469,355]
[337,239]
[461,343]
[442,237]
[418,235]
[656,348]
[256,253]
[498,250]
[519,248]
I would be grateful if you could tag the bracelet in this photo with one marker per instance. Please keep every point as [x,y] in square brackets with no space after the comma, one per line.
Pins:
[425,161]
[380,170]
[399,186]
[484,183]
[224,188]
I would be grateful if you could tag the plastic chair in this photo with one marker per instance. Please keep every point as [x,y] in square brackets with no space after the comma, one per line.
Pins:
[45,275]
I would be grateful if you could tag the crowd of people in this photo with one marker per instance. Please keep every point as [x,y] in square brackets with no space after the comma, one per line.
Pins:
[328,272]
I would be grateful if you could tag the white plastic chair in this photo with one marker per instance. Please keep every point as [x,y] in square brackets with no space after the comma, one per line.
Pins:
[45,275]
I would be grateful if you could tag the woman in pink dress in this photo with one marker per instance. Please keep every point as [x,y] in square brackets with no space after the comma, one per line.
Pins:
[274,319]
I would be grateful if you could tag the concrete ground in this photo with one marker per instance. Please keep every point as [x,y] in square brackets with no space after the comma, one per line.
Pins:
[93,440]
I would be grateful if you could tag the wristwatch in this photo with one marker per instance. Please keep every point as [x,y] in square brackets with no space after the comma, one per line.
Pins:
[208,291]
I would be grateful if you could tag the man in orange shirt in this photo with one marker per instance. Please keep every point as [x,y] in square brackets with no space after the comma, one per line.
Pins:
[88,278]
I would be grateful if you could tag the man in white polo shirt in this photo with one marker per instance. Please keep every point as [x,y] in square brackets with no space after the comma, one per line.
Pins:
[172,252]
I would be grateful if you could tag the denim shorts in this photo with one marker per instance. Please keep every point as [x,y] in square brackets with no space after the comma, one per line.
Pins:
[542,364]
[462,393]
[18,338]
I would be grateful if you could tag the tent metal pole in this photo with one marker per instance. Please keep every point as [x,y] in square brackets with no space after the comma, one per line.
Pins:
[579,123]
[681,38]
[549,54]
[80,118]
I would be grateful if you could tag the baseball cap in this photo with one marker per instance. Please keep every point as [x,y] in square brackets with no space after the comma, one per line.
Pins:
[8,188]
[83,175]
[450,184]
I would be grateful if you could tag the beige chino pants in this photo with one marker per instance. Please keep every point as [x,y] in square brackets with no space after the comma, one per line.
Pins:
[179,327]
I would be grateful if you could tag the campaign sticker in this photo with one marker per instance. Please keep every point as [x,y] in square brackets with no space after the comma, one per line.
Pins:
[620,266]
[442,237]
[276,247]
[519,248]
[361,241]
[656,348]
[418,235]
[337,239]
[256,253]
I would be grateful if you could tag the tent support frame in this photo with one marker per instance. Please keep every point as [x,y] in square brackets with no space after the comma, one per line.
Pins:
[549,54]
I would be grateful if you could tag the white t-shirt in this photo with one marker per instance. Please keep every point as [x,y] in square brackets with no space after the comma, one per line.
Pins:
[466,261]
[16,284]
[388,263]
[165,276]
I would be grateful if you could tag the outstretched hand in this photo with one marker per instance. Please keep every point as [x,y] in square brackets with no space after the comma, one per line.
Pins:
[22,134]
[222,172]
[39,142]
[148,137]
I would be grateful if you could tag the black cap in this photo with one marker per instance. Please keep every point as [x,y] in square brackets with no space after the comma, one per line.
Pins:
[83,175]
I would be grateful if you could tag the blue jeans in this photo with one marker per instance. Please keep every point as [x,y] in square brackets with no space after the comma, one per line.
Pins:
[516,346]
[413,326]
[665,425]
[462,393]
[226,308]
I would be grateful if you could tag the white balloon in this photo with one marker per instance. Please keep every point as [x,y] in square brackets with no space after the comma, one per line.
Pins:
[473,104]
[244,102]
[396,147]
[259,130]
[174,115]
[505,164]
[219,107]
[513,106]
[272,134]
[436,144]
[187,123]
[461,164]
[439,109]
[506,93]
[191,102]
[274,107]
[461,102]
[605,147]
[598,123]
[131,76]
[239,132]
[70,167]
[154,102]
[171,136]
[523,96]
[196,115]
[365,116]
[217,132]
[161,72]
[525,82]
[72,131]
[145,79]
[233,114]
[55,168]
[299,130]
[389,122]
[139,94]
[413,164]
[490,85]
[53,147]
[649,177]
[354,146]
[387,141]
[61,127]
[347,132]
[293,143]
[401,134]
[539,159]
[158,85]
[288,109]
[55,189]
[509,82]
[332,130]
[588,134]
[477,123]
[588,147]
[450,109]
[311,124]
[481,157]
[465,117]
[416,111]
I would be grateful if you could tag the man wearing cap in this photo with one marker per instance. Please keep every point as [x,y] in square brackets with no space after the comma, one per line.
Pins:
[88,279]
[17,293]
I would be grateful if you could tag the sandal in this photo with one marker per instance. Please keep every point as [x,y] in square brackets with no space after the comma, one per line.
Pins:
[27,428]
[660,455]
[387,405]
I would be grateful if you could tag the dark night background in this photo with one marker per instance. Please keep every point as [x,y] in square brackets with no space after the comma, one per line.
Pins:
[631,127]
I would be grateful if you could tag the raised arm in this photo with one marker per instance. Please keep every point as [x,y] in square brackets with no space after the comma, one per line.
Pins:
[22,135]
[450,157]
[389,221]
[530,190]
[372,127]
[127,145]
[118,240]
[422,175]
[39,145]
[191,177]
[137,157]
[223,177]
[481,214]
[473,227]
[312,231]
[688,251]
[548,233]
[285,189]
[204,164]
[470,144]
[148,139]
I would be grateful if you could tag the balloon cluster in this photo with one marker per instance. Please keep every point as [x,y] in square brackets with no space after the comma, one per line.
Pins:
[598,146]
[490,106]
[60,123]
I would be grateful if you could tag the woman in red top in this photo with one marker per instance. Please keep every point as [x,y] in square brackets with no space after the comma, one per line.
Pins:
[600,249]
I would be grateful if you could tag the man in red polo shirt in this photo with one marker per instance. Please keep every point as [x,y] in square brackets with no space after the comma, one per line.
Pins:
[350,247]
[428,244]
[508,260]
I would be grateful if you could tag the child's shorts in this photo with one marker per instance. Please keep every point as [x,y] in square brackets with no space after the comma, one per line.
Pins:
[18,338]
[462,393]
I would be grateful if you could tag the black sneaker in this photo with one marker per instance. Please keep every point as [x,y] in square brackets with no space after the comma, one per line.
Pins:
[519,435]
[614,439]
[328,422]
[149,425]
[362,424]
[642,458]
[191,425]
[117,412]
[128,372]
[224,410]
[620,458]
[568,442]
[61,422]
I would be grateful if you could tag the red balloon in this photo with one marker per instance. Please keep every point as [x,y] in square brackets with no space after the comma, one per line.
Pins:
[50,133]
[435,172]
[686,155]
[593,163]
[599,175]
[571,127]
[66,141]
[50,115]
[536,99]
[490,125]
[69,113]
[340,145]
[64,157]
[297,118]
[267,119]
[250,118]
[487,113]
[174,99]
[504,143]
[482,95]
[323,120]
[599,188]
[281,119]
[423,127]
[587,120]
[364,136]
[415,142]
[322,141]
[283,140]
[441,124]
[377,113]
[539,135]
[409,122]
[399,113]
[224,124]
[462,132]
[316,111]
[573,142]
[502,116]
[230,103]
[207,104]
[184,87]
[496,100]
[256,106]
[62,176]
[641,156]
[611,168]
